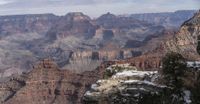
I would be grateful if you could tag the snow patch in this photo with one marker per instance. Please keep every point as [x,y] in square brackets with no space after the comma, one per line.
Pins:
[130,73]
[187,95]
[142,82]
[94,86]
[88,93]
[100,81]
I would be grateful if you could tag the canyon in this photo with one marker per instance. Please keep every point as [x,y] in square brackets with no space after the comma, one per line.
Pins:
[75,40]
[55,59]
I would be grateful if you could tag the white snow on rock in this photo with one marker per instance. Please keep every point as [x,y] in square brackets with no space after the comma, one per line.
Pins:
[94,86]
[142,82]
[130,73]
[126,77]
[130,81]
[88,93]
[100,81]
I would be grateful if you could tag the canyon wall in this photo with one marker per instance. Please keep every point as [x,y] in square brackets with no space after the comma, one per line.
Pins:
[185,41]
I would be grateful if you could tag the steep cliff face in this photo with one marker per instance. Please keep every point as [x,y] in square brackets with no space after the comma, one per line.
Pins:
[185,41]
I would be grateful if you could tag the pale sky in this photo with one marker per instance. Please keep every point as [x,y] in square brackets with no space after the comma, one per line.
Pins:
[94,8]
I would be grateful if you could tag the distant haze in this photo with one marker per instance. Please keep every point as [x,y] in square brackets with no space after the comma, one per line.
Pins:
[94,8]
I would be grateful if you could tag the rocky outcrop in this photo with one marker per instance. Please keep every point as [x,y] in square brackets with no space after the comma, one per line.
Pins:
[126,85]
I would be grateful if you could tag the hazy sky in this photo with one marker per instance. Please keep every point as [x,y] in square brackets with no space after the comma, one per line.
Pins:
[94,8]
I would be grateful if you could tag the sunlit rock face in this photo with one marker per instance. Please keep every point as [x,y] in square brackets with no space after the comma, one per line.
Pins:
[185,41]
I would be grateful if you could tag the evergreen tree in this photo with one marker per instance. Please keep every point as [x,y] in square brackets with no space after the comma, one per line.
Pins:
[174,67]
[196,89]
[198,45]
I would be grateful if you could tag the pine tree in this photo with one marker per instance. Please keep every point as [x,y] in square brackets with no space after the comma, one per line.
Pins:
[174,67]
[196,90]
[198,45]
